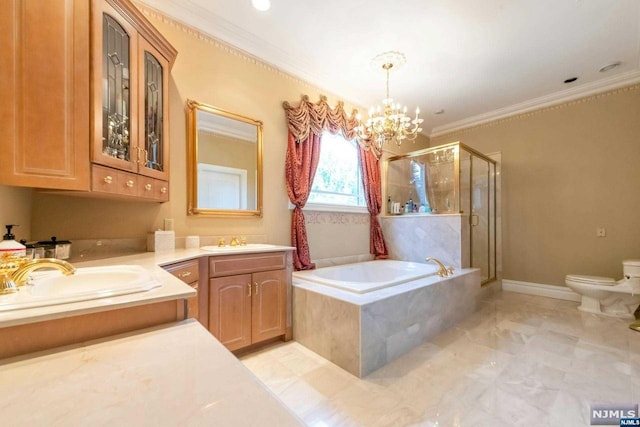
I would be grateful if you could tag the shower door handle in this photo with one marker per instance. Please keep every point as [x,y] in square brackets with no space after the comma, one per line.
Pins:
[474,220]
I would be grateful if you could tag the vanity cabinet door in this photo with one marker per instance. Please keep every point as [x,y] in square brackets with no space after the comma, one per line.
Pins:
[44,82]
[268,305]
[230,310]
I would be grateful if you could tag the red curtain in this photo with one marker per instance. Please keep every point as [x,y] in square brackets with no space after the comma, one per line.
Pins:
[300,168]
[306,123]
[372,183]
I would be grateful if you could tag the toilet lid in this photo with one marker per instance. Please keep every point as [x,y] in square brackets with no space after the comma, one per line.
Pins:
[596,280]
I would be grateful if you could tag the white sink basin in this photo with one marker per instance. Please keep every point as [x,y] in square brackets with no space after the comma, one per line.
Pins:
[245,248]
[52,287]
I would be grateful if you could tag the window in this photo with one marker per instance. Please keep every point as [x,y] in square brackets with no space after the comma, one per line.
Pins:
[337,184]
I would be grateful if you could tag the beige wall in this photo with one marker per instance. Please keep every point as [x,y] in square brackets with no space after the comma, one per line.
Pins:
[567,170]
[15,208]
[214,74]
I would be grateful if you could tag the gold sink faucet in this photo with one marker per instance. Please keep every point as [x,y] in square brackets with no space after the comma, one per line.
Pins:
[442,270]
[20,276]
[234,241]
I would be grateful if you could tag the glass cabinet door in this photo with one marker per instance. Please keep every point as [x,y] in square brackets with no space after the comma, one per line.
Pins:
[115,95]
[116,99]
[153,136]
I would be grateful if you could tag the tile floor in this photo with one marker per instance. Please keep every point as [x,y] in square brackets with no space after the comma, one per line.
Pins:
[519,360]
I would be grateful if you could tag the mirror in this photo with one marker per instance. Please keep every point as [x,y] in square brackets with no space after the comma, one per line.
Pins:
[224,162]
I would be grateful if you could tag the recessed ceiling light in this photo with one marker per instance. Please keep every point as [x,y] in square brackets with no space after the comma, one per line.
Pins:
[261,5]
[571,80]
[610,66]
[440,111]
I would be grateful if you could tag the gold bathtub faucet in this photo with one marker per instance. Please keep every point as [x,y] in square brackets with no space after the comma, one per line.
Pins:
[442,270]
[14,277]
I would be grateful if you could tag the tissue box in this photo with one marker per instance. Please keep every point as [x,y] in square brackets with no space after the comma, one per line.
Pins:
[159,241]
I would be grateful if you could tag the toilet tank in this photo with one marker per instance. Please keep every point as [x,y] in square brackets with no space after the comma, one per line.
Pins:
[631,267]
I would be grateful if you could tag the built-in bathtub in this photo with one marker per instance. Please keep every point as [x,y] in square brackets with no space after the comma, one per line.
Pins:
[362,316]
[364,277]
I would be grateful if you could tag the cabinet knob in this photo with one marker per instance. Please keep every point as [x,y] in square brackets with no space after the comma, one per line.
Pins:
[185,274]
[163,190]
[108,179]
[257,288]
[147,187]
[249,287]
[130,183]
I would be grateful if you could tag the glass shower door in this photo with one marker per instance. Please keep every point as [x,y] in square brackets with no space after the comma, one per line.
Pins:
[480,217]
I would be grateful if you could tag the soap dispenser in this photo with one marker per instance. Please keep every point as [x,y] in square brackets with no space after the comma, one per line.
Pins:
[9,246]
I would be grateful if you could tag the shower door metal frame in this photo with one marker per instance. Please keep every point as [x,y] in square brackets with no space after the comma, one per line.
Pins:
[490,162]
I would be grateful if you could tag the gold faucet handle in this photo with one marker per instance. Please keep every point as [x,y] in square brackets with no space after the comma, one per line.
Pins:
[7,285]
[243,241]
[234,241]
[450,270]
[221,242]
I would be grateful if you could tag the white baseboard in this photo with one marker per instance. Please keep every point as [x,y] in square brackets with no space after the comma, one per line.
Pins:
[551,291]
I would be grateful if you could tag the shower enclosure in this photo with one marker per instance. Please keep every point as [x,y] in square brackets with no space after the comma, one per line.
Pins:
[449,179]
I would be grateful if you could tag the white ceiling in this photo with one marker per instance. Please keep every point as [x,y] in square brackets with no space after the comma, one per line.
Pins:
[476,59]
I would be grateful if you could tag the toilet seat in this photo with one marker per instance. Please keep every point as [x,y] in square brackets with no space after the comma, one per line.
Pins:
[591,280]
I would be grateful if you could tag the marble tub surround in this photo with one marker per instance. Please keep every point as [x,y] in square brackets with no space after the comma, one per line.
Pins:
[413,237]
[363,332]
[518,360]
[164,376]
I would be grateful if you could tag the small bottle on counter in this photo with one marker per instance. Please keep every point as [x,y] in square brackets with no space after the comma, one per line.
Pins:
[9,246]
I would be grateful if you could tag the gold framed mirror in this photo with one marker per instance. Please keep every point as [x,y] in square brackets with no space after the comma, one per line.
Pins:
[224,163]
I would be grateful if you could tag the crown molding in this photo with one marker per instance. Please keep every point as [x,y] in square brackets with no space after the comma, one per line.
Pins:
[604,85]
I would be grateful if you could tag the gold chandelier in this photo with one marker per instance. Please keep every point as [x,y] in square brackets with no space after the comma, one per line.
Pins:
[389,123]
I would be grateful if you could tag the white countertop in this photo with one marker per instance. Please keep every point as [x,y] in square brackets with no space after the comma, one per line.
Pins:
[172,288]
[171,375]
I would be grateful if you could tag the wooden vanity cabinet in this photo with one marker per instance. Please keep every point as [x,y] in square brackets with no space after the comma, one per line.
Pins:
[189,272]
[248,300]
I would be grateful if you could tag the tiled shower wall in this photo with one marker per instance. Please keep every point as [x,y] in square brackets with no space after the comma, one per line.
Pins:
[416,237]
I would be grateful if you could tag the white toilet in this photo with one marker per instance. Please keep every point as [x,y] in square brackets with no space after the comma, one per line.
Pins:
[603,295]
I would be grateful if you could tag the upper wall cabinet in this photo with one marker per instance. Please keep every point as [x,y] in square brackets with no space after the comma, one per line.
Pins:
[44,93]
[106,70]
[130,66]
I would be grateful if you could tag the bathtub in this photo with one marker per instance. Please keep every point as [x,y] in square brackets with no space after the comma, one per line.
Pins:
[368,276]
[362,316]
